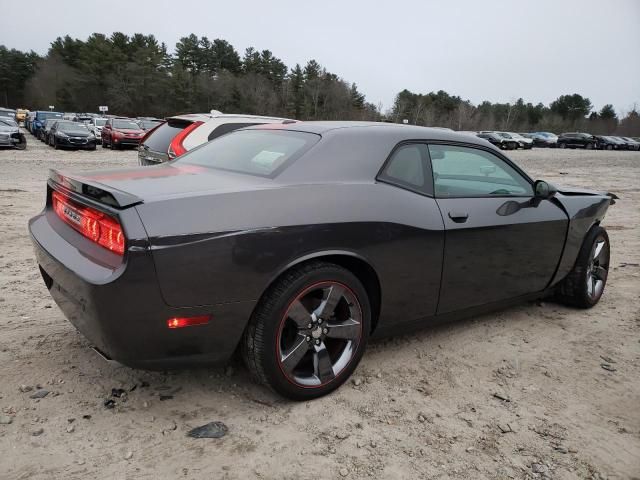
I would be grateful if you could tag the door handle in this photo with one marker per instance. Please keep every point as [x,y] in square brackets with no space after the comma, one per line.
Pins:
[458,217]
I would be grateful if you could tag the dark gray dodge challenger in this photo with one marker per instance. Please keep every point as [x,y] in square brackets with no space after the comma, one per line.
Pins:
[295,243]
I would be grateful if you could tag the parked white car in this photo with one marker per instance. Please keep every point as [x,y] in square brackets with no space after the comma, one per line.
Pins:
[179,134]
[95,127]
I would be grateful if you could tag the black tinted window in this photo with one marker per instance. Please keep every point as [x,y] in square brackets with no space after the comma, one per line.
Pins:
[408,167]
[256,152]
[228,127]
[160,138]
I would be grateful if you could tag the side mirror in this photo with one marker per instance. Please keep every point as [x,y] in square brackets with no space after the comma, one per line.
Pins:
[543,189]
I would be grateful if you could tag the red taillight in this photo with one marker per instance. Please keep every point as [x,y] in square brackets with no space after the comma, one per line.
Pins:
[179,322]
[176,147]
[93,224]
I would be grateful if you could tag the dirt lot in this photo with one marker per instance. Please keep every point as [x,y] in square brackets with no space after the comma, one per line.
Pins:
[516,394]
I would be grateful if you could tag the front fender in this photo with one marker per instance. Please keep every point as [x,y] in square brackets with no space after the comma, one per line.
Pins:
[584,211]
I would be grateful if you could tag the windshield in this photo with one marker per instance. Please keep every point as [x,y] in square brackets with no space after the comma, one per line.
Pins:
[263,153]
[125,124]
[45,115]
[100,122]
[73,128]
[6,122]
[148,124]
[504,135]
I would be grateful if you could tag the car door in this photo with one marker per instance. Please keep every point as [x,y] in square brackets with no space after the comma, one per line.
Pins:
[500,240]
[415,261]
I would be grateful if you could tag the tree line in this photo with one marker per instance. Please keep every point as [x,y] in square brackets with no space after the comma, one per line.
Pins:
[137,75]
[566,113]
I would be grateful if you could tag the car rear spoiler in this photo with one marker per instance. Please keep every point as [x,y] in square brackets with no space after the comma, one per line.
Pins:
[92,189]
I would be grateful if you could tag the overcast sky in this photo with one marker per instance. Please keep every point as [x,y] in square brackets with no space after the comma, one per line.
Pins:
[489,49]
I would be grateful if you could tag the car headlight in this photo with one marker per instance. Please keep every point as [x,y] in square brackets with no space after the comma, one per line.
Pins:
[62,134]
[92,136]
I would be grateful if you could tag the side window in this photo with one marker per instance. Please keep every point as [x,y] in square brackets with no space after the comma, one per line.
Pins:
[408,167]
[471,172]
[228,127]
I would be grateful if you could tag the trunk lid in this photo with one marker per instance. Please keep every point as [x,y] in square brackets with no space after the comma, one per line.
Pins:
[127,187]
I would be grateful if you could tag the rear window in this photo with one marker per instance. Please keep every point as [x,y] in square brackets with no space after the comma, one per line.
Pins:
[161,137]
[264,153]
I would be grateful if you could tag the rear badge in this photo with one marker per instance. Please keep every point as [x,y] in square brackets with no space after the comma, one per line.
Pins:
[72,215]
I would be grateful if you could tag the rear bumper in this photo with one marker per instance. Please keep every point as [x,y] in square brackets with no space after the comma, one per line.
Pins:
[120,308]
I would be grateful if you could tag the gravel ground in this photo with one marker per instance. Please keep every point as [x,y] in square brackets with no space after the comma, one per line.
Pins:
[516,394]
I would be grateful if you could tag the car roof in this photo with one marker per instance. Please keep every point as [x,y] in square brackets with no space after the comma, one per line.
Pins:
[205,117]
[375,128]
[355,151]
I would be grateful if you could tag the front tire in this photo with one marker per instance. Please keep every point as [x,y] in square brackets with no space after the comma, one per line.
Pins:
[309,331]
[584,285]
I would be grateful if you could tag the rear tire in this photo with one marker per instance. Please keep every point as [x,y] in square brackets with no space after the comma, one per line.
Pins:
[585,284]
[563,145]
[589,146]
[308,331]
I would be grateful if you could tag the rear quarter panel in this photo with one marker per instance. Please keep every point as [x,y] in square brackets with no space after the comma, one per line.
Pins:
[229,247]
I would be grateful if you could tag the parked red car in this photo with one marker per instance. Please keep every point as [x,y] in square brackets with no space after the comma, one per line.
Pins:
[120,132]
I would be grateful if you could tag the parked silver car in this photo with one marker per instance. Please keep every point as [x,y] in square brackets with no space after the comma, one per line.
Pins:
[525,142]
[10,134]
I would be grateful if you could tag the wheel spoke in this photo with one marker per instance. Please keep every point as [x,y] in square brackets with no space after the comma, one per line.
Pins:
[299,314]
[291,358]
[328,306]
[599,273]
[598,250]
[322,364]
[347,330]
[590,285]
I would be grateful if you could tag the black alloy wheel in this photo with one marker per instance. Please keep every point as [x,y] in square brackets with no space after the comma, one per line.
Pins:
[309,331]
[585,284]
[598,268]
[319,334]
